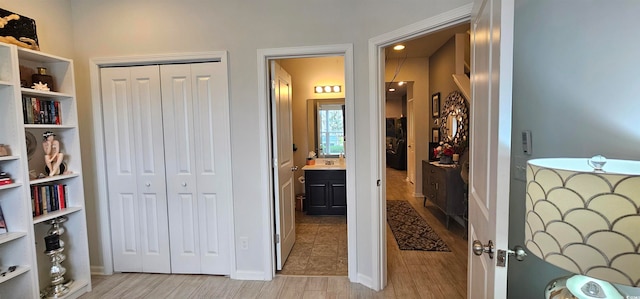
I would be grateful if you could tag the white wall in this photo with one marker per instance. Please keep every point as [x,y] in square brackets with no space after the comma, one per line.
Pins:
[576,88]
[137,27]
[53,23]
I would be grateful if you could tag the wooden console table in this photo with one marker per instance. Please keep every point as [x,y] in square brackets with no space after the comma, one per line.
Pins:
[443,185]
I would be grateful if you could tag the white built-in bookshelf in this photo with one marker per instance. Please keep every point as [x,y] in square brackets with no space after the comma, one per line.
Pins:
[27,224]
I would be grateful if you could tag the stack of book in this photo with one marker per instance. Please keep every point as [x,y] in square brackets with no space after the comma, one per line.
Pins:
[5,178]
[48,198]
[37,111]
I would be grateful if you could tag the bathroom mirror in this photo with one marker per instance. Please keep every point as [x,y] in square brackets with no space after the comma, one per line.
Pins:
[455,119]
[329,136]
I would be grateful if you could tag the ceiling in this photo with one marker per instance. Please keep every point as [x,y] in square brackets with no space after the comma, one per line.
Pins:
[423,46]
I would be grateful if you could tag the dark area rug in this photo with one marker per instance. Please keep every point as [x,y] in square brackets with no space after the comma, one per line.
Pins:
[410,230]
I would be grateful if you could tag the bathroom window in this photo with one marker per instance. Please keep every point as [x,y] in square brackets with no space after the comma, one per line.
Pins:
[330,130]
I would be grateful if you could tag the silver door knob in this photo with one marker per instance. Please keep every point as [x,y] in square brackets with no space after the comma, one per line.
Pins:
[294,168]
[478,248]
[148,184]
[184,184]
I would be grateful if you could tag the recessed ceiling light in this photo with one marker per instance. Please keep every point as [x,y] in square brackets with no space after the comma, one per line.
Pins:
[392,89]
[398,47]
[400,83]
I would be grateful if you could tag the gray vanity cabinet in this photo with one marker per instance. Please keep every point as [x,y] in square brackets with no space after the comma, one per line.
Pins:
[444,187]
[325,192]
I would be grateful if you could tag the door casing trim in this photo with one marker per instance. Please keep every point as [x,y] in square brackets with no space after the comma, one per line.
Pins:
[104,230]
[264,56]
[377,44]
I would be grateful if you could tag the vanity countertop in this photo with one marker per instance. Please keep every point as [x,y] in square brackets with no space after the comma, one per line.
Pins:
[320,165]
[442,165]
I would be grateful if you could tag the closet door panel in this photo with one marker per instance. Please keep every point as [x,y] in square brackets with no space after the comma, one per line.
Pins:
[212,150]
[137,197]
[147,112]
[177,102]
[122,177]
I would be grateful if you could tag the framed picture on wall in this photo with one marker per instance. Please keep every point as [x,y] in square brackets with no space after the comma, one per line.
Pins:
[435,104]
[435,135]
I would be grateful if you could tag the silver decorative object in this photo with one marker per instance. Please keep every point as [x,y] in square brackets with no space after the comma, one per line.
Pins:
[58,287]
[54,248]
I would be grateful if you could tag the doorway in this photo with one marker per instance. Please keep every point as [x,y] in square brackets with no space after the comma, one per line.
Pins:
[282,55]
[423,120]
[307,120]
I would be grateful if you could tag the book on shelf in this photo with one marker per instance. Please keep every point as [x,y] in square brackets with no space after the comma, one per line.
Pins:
[48,198]
[38,111]
[3,223]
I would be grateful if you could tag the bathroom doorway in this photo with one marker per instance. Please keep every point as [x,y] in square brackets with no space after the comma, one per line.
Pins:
[321,246]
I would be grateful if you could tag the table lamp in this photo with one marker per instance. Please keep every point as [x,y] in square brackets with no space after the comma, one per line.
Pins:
[583,215]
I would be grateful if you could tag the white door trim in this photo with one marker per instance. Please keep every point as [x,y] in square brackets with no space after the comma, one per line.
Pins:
[377,44]
[264,55]
[98,130]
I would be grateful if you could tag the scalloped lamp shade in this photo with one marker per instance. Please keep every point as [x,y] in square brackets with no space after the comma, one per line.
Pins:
[585,221]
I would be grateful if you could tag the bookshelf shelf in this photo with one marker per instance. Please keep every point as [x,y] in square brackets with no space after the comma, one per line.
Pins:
[8,237]
[10,186]
[55,178]
[10,275]
[9,158]
[55,214]
[44,94]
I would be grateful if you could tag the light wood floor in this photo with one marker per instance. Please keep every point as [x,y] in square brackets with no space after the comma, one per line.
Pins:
[411,274]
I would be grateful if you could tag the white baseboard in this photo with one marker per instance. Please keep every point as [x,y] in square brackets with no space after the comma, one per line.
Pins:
[249,275]
[366,281]
[98,270]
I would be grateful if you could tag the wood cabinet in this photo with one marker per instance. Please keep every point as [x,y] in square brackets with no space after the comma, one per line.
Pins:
[326,192]
[26,114]
[444,187]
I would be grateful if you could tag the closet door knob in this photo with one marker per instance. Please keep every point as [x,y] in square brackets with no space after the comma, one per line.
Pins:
[184,184]
[148,184]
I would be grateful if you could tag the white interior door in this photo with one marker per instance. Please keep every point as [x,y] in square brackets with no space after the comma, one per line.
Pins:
[491,82]
[283,162]
[411,144]
[197,166]
[132,116]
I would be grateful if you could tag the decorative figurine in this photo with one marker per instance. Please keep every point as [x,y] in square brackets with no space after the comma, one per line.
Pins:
[52,155]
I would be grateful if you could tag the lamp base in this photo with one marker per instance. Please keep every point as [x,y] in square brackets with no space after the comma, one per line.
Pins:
[580,287]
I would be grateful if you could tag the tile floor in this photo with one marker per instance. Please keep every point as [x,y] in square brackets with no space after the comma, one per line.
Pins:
[320,248]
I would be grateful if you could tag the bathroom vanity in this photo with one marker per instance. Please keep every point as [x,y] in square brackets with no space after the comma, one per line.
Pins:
[325,189]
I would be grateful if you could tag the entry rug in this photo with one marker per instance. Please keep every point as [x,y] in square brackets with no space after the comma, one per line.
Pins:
[410,230]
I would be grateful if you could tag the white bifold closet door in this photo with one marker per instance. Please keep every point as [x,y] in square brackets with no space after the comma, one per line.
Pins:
[197,167]
[134,146]
[179,132]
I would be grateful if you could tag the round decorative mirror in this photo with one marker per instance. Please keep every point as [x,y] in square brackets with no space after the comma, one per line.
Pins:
[455,119]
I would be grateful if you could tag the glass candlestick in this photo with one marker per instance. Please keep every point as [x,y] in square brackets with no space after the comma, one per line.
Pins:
[53,250]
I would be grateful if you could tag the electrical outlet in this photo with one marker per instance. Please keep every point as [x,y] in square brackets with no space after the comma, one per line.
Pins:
[244,243]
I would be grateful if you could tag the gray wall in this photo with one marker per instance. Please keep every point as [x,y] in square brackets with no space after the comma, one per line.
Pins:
[576,87]
[442,64]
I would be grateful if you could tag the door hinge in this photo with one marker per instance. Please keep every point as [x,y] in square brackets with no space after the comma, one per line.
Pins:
[378,183]
[277,238]
[275,163]
[273,84]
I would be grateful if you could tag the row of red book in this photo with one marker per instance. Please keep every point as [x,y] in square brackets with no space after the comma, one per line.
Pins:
[48,198]
[37,111]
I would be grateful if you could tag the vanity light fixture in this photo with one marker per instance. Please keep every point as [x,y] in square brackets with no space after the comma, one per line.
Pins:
[401,83]
[392,89]
[328,89]
[398,47]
